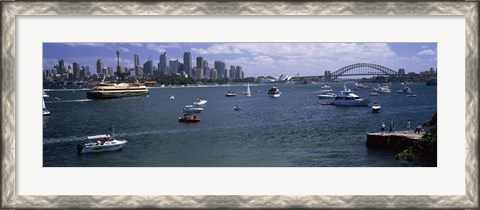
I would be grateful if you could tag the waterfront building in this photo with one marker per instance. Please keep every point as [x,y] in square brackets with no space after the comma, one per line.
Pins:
[100,66]
[220,69]
[187,63]
[133,72]
[328,76]
[200,67]
[401,71]
[206,70]
[162,66]
[238,72]
[61,66]
[226,74]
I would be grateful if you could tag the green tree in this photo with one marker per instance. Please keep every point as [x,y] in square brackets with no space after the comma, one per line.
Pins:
[424,151]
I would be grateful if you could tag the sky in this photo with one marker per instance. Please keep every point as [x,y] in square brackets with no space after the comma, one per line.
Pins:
[256,59]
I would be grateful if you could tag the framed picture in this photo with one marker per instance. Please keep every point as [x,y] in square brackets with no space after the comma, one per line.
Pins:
[240,104]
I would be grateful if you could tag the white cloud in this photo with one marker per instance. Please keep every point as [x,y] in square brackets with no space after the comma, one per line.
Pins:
[161,48]
[218,49]
[426,52]
[73,44]
[424,47]
[123,49]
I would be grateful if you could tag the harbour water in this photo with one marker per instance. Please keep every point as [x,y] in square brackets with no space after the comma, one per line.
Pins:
[294,130]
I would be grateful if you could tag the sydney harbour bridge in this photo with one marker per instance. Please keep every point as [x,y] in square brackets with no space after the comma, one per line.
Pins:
[357,69]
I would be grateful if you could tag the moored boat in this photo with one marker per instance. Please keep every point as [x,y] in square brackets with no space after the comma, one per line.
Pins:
[186,119]
[200,102]
[274,92]
[248,93]
[376,107]
[45,111]
[230,94]
[101,143]
[192,109]
[326,96]
[346,98]
[382,89]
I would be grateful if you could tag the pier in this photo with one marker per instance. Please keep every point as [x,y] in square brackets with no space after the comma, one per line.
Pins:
[396,140]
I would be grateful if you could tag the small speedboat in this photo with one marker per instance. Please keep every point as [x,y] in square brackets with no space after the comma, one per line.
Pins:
[376,107]
[192,109]
[325,87]
[101,143]
[237,108]
[186,119]
[327,96]
[274,92]
[411,95]
[230,94]
[374,93]
[172,97]
[45,112]
[200,102]
[405,90]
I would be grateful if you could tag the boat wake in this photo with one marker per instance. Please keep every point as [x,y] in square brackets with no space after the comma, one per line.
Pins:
[69,101]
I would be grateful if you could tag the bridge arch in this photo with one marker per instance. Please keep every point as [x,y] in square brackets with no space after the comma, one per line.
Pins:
[363,69]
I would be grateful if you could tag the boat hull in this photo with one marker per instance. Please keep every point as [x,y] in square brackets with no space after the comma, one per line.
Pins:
[99,95]
[274,95]
[107,147]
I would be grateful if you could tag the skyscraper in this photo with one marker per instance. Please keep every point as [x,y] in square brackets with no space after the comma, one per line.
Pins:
[119,71]
[76,70]
[232,72]
[206,70]
[147,68]
[200,68]
[220,67]
[187,63]
[61,66]
[100,66]
[173,66]
[136,64]
[162,66]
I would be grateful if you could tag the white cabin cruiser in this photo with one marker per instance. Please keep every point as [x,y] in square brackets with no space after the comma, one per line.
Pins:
[326,96]
[346,98]
[405,90]
[274,92]
[200,102]
[382,89]
[325,87]
[192,109]
[101,143]
[376,107]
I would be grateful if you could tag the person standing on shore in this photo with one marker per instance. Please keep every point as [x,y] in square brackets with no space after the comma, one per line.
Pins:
[408,125]
[383,127]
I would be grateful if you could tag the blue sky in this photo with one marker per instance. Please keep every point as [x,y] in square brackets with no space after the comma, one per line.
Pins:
[256,59]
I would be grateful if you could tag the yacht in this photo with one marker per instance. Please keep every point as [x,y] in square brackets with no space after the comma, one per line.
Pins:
[192,109]
[186,119]
[327,96]
[376,107]
[101,143]
[230,94]
[111,90]
[200,102]
[248,93]
[274,92]
[382,89]
[346,98]
[405,90]
[45,111]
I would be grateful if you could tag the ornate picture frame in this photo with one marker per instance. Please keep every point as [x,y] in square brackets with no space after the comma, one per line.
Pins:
[11,10]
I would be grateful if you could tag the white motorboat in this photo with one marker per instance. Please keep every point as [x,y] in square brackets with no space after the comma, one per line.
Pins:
[192,109]
[248,93]
[405,90]
[274,92]
[326,96]
[346,98]
[237,108]
[230,94]
[411,95]
[376,107]
[325,87]
[360,86]
[382,89]
[172,97]
[101,143]
[374,94]
[200,102]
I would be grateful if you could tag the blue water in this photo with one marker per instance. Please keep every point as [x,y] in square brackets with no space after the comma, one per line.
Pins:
[294,130]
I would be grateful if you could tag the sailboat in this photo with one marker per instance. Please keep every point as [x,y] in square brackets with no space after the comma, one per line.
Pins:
[45,111]
[248,93]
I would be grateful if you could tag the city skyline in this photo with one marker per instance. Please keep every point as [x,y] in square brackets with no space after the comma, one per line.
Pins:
[256,59]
